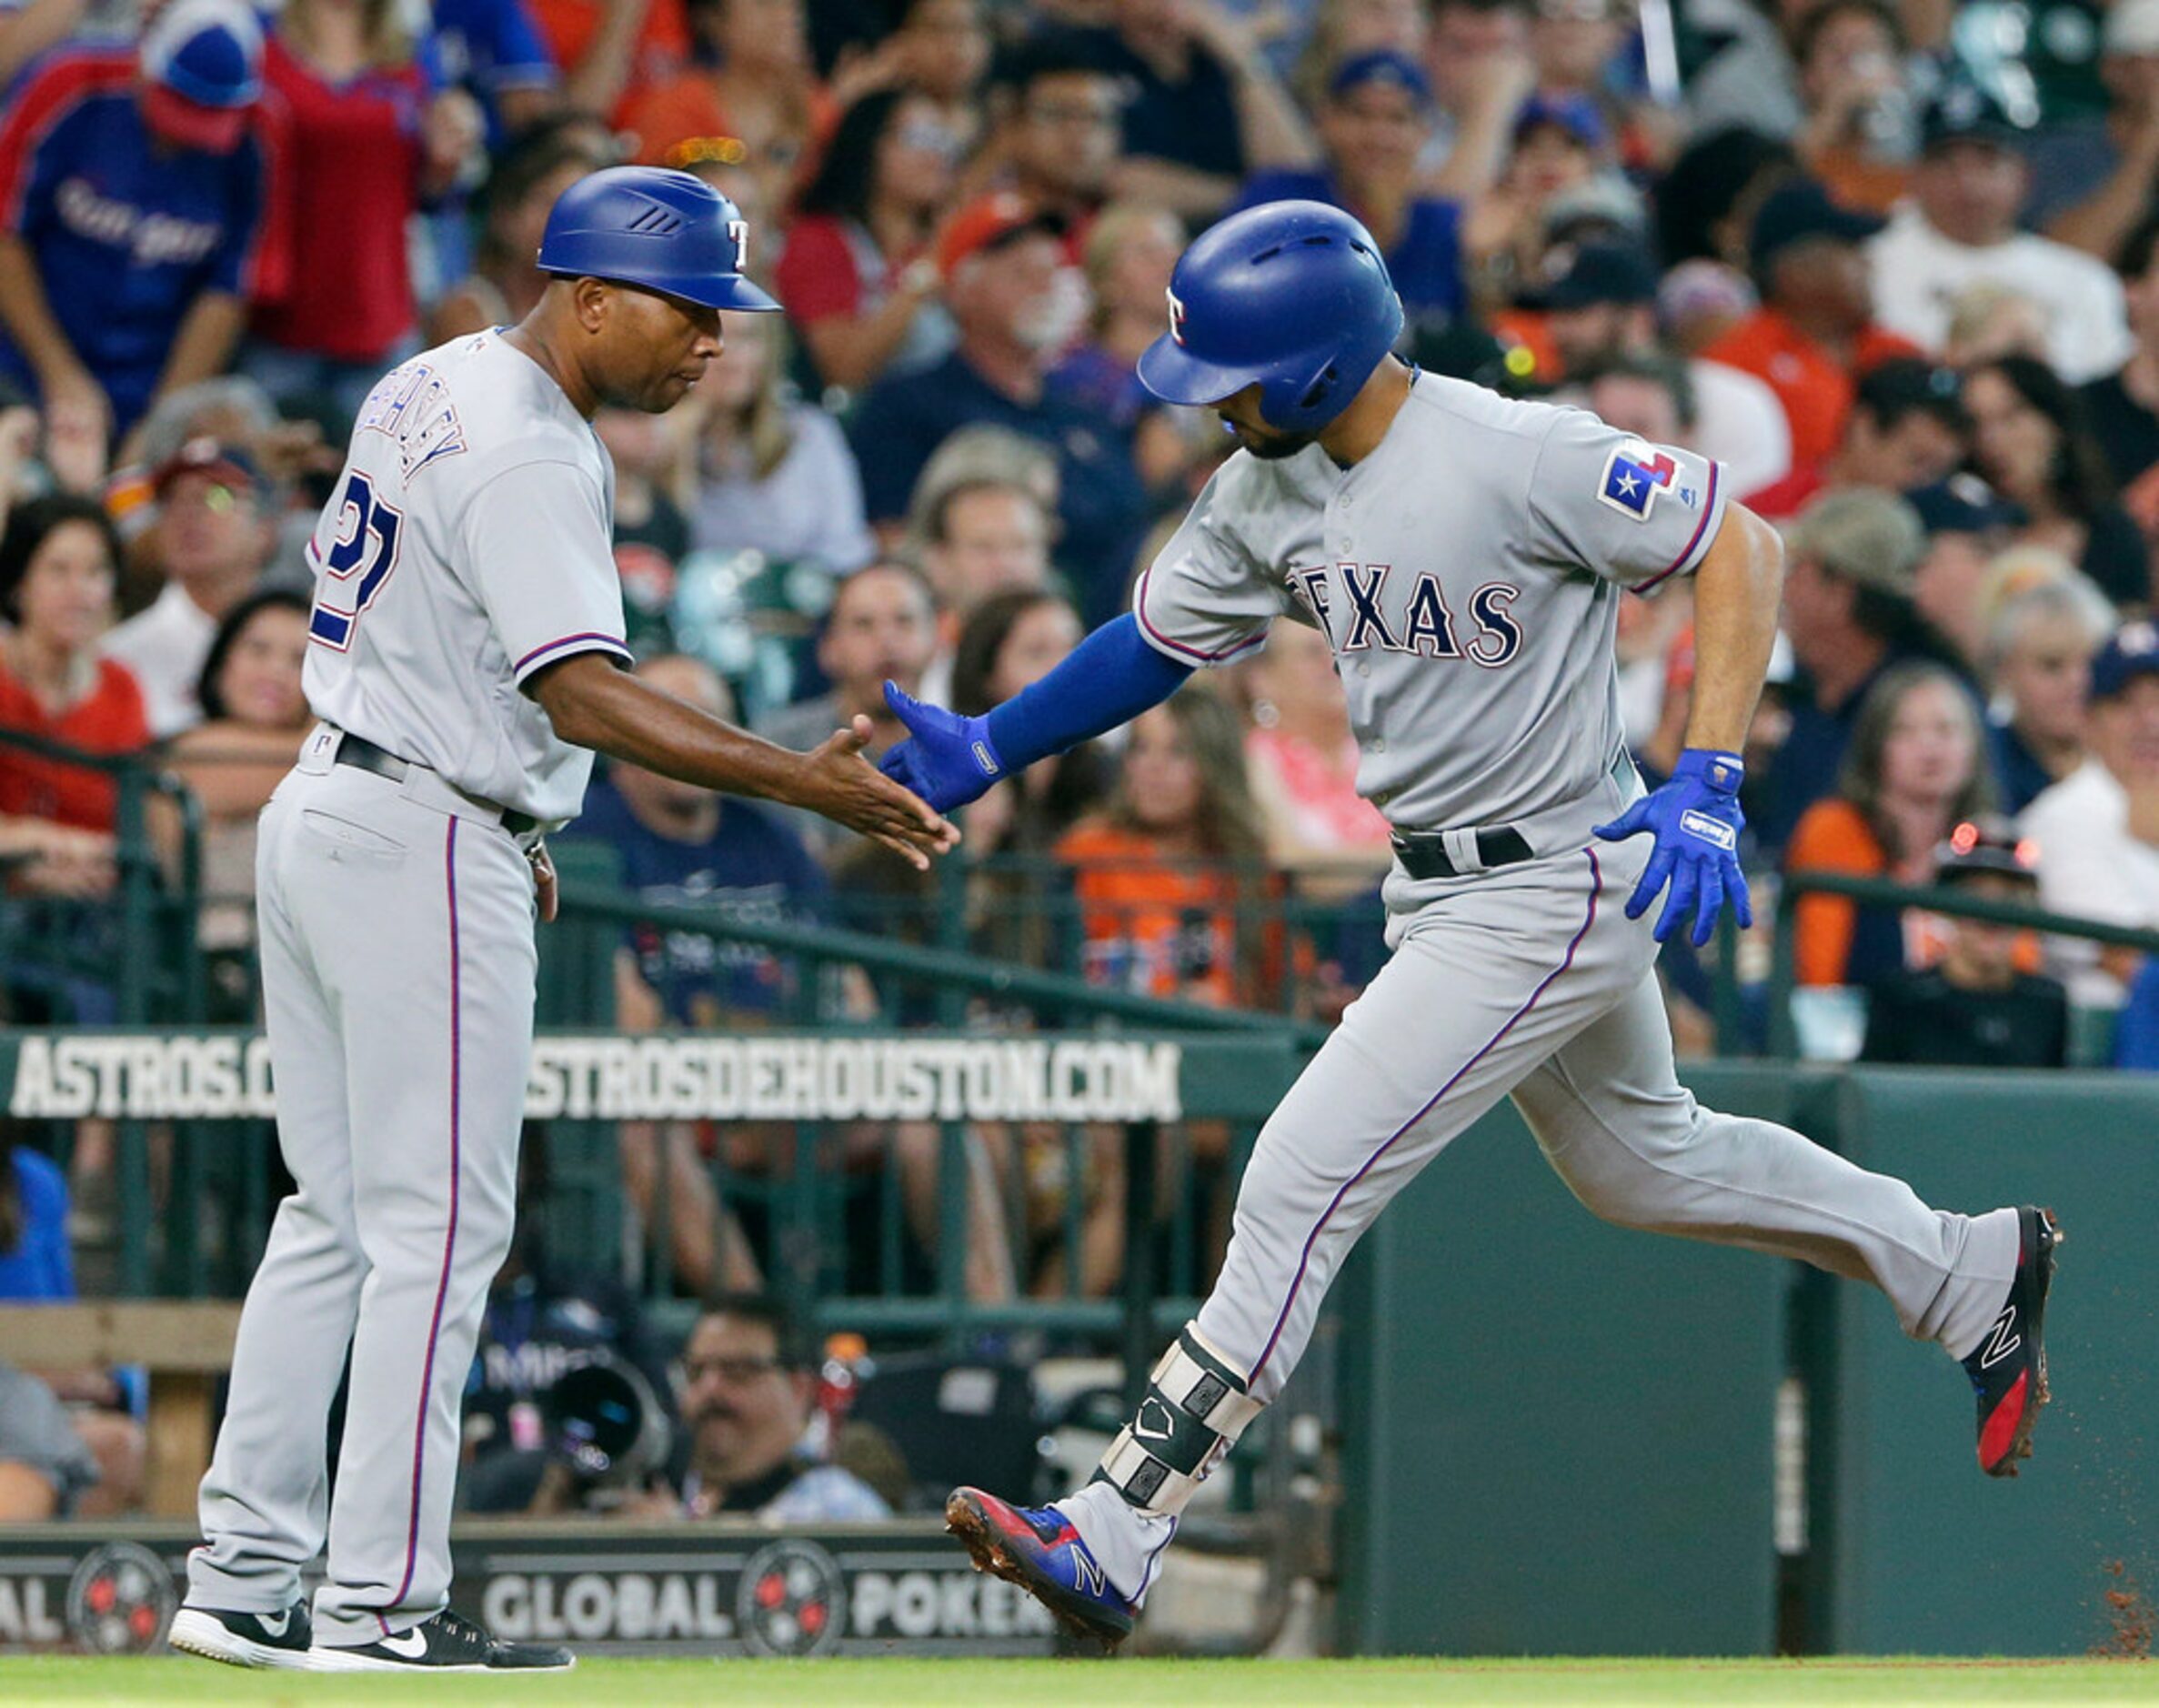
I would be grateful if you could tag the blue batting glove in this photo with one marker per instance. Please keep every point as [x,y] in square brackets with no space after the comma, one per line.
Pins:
[946,760]
[1696,820]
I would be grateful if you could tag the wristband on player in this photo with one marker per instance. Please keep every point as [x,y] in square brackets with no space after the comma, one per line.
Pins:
[1720,771]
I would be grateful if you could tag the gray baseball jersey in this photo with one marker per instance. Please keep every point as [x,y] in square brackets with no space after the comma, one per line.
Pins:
[467,547]
[1468,573]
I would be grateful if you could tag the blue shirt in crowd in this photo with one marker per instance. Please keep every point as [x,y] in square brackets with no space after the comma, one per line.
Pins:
[1100,500]
[41,1266]
[751,867]
[125,231]
[1425,263]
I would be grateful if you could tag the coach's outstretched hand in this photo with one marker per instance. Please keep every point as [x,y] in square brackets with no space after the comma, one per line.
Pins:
[1696,819]
[843,786]
[946,760]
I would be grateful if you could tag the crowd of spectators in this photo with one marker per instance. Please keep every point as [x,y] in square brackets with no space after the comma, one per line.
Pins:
[1902,283]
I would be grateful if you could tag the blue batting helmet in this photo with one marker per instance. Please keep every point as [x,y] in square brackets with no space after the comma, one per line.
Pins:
[1291,295]
[667,231]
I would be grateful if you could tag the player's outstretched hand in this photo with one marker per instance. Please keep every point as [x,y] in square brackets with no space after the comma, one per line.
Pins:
[1696,820]
[843,786]
[946,760]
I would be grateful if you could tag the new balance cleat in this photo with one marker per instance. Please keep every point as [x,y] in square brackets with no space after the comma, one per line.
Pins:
[2008,1369]
[1038,1548]
[448,1643]
[259,1640]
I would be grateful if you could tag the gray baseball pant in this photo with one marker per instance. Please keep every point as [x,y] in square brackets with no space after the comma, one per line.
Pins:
[1531,981]
[398,962]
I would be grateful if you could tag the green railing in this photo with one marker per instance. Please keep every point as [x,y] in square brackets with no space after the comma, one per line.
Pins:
[153,967]
[1234,1066]
[1946,899]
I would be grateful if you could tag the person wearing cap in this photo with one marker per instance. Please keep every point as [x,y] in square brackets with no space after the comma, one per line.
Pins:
[1977,1005]
[136,214]
[1016,304]
[1816,331]
[1907,428]
[1205,110]
[1916,766]
[1562,154]
[1372,126]
[1850,564]
[2098,827]
[212,543]
[1960,227]
[1598,305]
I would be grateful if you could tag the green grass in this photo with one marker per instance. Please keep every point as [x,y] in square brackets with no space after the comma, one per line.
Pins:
[874,1683]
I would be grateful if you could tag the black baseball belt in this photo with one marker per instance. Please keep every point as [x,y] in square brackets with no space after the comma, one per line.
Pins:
[1426,854]
[1423,853]
[364,755]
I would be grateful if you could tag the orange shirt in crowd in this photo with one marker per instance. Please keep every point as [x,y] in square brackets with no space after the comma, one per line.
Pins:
[662,49]
[1153,925]
[109,718]
[1831,836]
[1834,836]
[1814,387]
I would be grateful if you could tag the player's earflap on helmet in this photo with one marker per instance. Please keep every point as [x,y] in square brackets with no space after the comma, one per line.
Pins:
[1292,296]
[665,231]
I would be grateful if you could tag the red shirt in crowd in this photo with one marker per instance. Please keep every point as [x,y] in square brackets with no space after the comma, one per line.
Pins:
[353,162]
[820,273]
[1814,387]
[109,718]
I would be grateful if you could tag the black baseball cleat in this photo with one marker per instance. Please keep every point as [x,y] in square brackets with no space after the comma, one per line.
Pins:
[1038,1548]
[244,1639]
[2008,1369]
[448,1643]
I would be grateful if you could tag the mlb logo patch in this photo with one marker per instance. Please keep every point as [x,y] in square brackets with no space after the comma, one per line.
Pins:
[1634,475]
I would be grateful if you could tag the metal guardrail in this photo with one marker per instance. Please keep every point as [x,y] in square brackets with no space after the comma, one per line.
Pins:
[1946,899]
[156,910]
[1237,1064]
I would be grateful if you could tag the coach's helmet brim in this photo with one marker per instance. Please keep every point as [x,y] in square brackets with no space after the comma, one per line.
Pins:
[727,290]
[733,291]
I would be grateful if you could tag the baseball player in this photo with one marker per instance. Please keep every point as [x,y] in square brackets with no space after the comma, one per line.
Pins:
[466,656]
[1465,555]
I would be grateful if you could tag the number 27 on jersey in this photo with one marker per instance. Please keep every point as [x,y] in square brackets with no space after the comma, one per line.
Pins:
[358,562]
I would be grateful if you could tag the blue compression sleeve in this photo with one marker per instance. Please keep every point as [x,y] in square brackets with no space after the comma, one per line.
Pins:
[1108,679]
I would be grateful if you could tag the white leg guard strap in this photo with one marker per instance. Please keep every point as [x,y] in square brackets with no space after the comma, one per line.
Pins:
[1197,1405]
